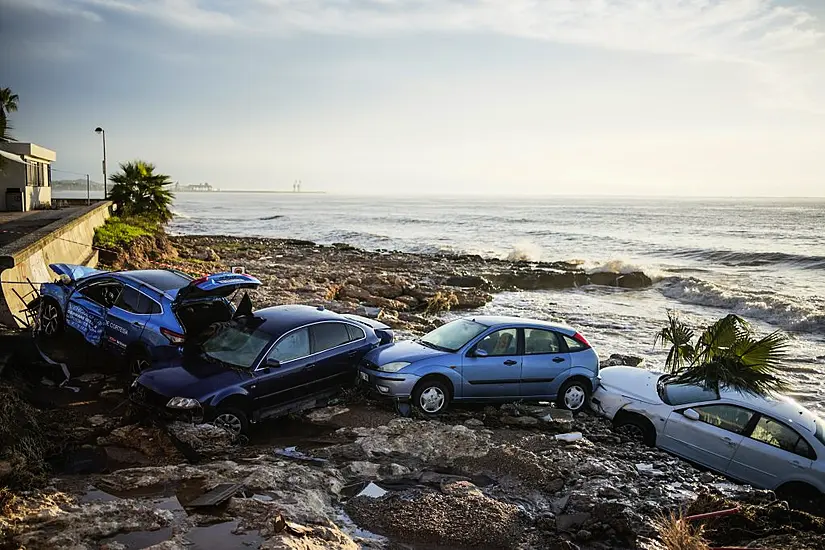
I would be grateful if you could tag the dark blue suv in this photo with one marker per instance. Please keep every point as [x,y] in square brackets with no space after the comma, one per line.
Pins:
[275,361]
[145,315]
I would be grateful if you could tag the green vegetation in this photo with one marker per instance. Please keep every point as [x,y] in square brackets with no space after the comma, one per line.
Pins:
[138,191]
[728,353]
[8,104]
[119,232]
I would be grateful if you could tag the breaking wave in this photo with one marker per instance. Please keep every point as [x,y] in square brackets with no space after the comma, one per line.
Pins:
[770,307]
[524,252]
[749,259]
[615,266]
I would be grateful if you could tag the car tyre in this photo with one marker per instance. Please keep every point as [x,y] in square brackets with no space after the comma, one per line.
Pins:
[50,318]
[431,397]
[232,420]
[138,360]
[636,428]
[574,395]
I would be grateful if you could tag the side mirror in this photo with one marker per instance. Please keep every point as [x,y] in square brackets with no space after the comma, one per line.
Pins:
[691,414]
[480,353]
[273,364]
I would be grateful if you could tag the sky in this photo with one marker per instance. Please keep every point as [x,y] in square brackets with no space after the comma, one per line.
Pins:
[602,97]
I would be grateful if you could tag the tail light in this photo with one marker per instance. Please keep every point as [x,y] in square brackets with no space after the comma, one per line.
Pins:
[203,279]
[582,340]
[173,336]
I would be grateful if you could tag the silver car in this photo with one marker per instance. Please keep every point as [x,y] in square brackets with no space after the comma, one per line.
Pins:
[768,442]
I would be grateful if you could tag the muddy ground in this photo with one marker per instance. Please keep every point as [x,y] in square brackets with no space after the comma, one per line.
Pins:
[88,471]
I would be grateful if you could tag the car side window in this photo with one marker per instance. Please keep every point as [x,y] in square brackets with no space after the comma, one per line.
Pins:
[292,346]
[355,333]
[573,344]
[537,342]
[329,335]
[134,301]
[104,294]
[500,342]
[777,434]
[728,417]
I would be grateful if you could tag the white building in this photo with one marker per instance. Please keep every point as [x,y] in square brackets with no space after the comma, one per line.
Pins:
[25,176]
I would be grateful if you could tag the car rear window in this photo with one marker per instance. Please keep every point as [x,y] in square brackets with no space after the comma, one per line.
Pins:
[681,394]
[573,345]
[355,333]
[161,279]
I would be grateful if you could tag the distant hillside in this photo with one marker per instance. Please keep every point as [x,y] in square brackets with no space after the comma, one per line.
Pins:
[75,185]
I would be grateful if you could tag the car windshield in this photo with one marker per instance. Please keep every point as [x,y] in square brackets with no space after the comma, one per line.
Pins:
[676,394]
[453,336]
[237,345]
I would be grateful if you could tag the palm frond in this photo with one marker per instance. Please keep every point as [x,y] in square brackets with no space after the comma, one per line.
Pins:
[720,337]
[680,336]
[729,372]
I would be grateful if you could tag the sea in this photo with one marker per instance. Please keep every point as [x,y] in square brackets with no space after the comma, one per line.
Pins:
[763,259]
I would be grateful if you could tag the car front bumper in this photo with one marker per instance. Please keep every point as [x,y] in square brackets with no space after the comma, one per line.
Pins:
[155,403]
[390,385]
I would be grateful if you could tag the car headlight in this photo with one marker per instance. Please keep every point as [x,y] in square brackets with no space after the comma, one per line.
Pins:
[393,367]
[183,403]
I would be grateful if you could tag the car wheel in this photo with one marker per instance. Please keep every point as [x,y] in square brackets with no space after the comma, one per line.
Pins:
[573,395]
[138,361]
[51,318]
[232,420]
[431,397]
[636,428]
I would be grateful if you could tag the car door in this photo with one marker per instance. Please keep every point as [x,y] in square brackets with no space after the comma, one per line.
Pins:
[545,358]
[710,438]
[86,310]
[336,355]
[126,320]
[491,369]
[771,454]
[282,377]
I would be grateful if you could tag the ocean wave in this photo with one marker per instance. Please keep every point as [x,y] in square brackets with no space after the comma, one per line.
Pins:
[615,266]
[782,311]
[524,251]
[181,215]
[275,217]
[749,259]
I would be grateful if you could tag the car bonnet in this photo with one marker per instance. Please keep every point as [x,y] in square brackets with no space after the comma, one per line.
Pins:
[631,382]
[406,350]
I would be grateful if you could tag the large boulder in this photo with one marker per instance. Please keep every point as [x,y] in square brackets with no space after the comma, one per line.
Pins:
[467,281]
[458,515]
[203,439]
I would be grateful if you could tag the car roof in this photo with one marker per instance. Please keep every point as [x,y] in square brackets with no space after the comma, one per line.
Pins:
[496,320]
[163,280]
[779,406]
[282,319]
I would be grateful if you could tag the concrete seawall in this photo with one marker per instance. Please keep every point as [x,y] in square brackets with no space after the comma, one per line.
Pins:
[68,240]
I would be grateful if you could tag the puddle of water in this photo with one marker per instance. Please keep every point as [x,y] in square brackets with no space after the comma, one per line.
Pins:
[140,539]
[222,536]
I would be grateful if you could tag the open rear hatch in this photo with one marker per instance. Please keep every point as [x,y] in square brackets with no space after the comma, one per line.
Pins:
[217,285]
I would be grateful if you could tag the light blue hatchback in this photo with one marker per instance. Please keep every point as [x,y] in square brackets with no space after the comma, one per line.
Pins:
[485,359]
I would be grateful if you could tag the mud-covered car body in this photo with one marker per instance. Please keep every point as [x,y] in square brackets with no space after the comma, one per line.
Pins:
[277,360]
[770,442]
[146,315]
[486,359]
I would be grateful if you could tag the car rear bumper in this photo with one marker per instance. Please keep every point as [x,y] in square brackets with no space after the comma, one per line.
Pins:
[389,385]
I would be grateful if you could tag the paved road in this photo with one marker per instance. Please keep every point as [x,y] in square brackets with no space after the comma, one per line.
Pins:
[14,225]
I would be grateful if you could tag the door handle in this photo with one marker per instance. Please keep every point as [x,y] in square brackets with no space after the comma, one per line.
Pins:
[558,359]
[729,441]
[310,366]
[510,362]
[796,464]
[137,323]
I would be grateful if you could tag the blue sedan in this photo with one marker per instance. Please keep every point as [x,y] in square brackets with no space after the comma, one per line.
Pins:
[144,315]
[486,359]
[273,362]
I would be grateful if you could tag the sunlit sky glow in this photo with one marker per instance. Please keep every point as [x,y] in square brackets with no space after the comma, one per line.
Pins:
[629,97]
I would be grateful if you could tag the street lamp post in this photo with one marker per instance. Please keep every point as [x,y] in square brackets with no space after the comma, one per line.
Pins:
[101,131]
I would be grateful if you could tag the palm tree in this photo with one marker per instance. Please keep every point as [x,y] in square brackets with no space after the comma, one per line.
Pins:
[139,191]
[8,104]
[727,354]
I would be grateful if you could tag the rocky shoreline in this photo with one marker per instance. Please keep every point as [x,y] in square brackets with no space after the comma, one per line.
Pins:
[354,474]
[403,289]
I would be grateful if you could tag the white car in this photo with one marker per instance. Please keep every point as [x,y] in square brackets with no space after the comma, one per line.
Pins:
[768,442]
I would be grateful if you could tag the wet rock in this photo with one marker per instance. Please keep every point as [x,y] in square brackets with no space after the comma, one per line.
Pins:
[617,359]
[474,423]
[423,441]
[91,378]
[567,522]
[362,470]
[325,414]
[520,421]
[461,517]
[203,439]
[149,441]
[208,255]
[467,281]
[471,300]
[516,464]
[637,279]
